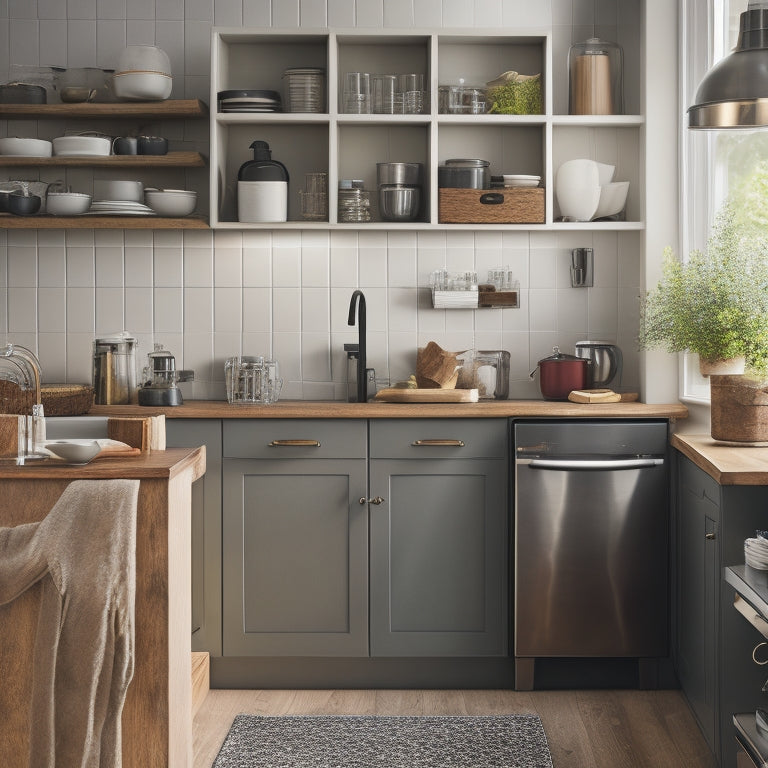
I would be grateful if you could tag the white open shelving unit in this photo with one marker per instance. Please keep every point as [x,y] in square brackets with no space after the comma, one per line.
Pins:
[349,146]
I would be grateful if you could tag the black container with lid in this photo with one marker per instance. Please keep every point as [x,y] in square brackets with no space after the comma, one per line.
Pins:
[262,187]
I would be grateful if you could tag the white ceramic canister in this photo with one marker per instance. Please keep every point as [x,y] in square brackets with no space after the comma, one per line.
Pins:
[262,201]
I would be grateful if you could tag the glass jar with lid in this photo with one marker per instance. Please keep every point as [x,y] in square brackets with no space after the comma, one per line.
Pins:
[354,201]
[595,78]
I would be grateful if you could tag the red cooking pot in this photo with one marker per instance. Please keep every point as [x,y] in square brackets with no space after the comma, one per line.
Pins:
[560,374]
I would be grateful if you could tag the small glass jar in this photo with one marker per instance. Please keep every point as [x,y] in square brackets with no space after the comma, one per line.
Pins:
[354,202]
[595,78]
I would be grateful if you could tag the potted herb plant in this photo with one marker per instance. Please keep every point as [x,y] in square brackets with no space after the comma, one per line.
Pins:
[715,304]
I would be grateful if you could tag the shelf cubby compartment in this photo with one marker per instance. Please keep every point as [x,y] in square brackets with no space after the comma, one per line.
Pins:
[301,146]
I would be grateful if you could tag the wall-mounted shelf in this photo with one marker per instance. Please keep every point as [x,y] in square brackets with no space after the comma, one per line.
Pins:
[170,160]
[170,108]
[43,221]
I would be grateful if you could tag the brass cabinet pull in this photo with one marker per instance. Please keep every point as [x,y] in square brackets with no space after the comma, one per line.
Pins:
[709,536]
[375,500]
[754,654]
[453,443]
[294,443]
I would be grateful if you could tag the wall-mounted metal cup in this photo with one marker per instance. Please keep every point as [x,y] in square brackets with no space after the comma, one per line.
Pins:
[582,268]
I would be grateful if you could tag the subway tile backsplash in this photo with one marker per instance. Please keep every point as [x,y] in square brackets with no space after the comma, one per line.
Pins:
[285,293]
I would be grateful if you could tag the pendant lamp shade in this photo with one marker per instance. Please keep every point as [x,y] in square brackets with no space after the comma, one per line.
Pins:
[734,93]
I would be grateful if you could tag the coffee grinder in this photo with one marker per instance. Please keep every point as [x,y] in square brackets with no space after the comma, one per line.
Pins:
[160,379]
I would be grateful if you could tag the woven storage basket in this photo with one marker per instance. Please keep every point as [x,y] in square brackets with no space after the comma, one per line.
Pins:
[511,205]
[739,411]
[57,399]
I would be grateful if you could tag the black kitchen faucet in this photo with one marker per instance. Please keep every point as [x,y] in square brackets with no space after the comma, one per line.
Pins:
[362,385]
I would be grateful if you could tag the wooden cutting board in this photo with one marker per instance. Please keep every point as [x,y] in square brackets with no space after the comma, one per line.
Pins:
[395,395]
[601,396]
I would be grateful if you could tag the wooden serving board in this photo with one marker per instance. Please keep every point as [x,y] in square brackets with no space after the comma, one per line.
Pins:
[601,396]
[396,395]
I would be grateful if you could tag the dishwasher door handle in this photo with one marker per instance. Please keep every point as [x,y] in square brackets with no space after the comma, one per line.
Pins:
[638,463]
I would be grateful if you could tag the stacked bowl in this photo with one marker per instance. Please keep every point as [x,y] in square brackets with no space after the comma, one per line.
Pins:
[143,73]
[399,190]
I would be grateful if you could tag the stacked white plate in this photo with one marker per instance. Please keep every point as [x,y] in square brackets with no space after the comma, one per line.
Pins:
[521,180]
[119,208]
[756,553]
[249,101]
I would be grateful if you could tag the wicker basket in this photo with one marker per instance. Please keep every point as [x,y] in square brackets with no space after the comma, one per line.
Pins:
[57,399]
[511,205]
[739,409]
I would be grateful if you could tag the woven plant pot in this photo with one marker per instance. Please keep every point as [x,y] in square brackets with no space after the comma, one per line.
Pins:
[739,409]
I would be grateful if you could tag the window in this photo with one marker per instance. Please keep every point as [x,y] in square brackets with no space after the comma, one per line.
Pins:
[714,163]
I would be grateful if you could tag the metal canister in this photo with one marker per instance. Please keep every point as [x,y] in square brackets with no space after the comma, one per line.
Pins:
[464,173]
[114,370]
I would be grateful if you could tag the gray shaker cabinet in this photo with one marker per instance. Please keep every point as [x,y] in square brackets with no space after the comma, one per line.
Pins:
[206,529]
[438,537]
[295,575]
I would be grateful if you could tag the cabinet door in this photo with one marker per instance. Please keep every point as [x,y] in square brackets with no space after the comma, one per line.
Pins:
[698,512]
[295,576]
[439,557]
[206,529]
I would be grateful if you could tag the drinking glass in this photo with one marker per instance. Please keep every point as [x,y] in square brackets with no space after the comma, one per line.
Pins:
[384,88]
[357,93]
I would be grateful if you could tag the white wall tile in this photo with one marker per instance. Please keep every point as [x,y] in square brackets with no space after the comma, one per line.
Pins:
[376,309]
[543,268]
[140,32]
[198,354]
[344,267]
[603,310]
[402,311]
[206,10]
[257,13]
[369,13]
[197,48]
[285,13]
[81,9]
[81,267]
[50,9]
[52,347]
[140,9]
[168,267]
[315,357]
[286,349]
[313,13]
[198,310]
[257,267]
[51,309]
[286,267]
[110,9]
[109,267]
[52,266]
[109,309]
[139,309]
[543,309]
[398,13]
[80,309]
[81,43]
[286,310]
[428,13]
[315,266]
[523,13]
[458,13]
[169,10]
[257,310]
[79,357]
[53,41]
[24,41]
[401,268]
[138,266]
[22,310]
[168,310]
[22,267]
[572,312]
[171,37]
[227,268]
[488,14]
[227,310]
[198,267]
[341,13]
[372,266]
[315,310]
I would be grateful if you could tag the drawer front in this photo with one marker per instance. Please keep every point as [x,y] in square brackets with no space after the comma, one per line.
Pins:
[295,439]
[439,438]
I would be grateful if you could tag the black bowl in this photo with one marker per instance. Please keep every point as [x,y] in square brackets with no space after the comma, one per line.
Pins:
[23,205]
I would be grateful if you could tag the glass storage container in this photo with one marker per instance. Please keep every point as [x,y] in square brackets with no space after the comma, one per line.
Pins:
[596,78]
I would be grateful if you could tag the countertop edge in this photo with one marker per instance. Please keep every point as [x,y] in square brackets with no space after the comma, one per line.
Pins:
[321,409]
[727,464]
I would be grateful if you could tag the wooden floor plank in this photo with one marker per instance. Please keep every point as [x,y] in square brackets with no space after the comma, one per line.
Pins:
[585,729]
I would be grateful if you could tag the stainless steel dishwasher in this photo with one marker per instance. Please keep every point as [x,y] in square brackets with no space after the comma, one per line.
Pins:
[590,540]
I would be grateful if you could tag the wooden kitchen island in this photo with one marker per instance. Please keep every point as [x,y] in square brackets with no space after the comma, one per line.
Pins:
[157,718]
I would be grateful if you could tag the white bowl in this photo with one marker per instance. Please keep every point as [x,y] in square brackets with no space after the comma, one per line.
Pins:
[605,173]
[577,186]
[64,146]
[74,451]
[171,202]
[142,86]
[118,189]
[67,203]
[26,147]
[613,198]
[143,58]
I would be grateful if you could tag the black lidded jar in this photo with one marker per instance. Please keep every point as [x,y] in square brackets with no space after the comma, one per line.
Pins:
[262,187]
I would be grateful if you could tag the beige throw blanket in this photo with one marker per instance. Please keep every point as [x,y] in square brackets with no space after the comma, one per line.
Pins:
[84,552]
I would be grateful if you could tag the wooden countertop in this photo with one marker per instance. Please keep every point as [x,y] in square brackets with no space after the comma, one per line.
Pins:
[336,409]
[727,464]
[154,464]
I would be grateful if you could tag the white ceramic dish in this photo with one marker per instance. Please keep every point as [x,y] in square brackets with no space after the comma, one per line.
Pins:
[74,451]
[118,189]
[171,202]
[142,86]
[143,57]
[67,203]
[25,147]
[71,146]
[605,173]
[613,198]
[521,180]
[577,186]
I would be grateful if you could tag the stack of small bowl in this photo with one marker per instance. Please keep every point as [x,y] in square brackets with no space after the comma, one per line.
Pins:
[143,73]
[399,190]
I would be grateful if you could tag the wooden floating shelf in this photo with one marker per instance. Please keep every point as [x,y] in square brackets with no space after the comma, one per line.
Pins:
[172,160]
[9,221]
[172,108]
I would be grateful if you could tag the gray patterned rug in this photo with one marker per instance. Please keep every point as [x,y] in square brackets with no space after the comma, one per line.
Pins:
[503,741]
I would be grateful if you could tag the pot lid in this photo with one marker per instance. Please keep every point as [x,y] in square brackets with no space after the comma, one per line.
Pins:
[463,162]
[560,357]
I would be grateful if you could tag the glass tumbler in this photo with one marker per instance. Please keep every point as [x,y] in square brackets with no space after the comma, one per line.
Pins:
[412,87]
[384,88]
[357,93]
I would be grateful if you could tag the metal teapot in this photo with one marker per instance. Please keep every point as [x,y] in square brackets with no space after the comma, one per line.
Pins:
[605,362]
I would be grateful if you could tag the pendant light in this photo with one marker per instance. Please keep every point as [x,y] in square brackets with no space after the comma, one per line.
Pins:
[734,93]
